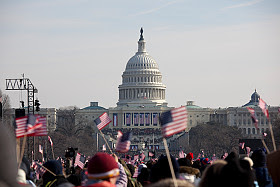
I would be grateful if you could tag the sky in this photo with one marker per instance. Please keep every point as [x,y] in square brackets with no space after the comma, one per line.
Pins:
[215,53]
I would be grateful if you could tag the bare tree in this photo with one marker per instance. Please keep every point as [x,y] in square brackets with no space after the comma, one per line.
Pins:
[69,134]
[213,138]
[6,106]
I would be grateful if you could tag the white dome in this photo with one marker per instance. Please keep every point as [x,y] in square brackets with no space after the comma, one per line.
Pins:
[141,61]
[141,80]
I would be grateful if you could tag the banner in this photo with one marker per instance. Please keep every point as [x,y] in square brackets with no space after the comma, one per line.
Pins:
[115,119]
[141,115]
[147,119]
[128,119]
[155,119]
[136,119]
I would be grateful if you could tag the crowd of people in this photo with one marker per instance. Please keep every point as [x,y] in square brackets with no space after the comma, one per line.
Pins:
[103,169]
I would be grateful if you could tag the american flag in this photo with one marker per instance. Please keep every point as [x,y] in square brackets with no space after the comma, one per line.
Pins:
[39,169]
[142,118]
[102,121]
[253,116]
[80,160]
[151,154]
[136,118]
[241,144]
[39,129]
[104,147]
[50,140]
[173,121]
[41,149]
[264,107]
[123,143]
[142,156]
[155,118]
[181,154]
[248,149]
[115,119]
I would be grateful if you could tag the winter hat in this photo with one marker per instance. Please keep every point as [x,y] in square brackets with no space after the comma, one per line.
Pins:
[249,160]
[140,167]
[205,161]
[102,166]
[189,156]
[54,166]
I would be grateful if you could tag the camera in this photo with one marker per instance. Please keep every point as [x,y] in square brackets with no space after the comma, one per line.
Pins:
[70,152]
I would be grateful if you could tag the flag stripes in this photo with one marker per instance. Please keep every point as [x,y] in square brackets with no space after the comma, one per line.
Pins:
[123,143]
[174,121]
[80,160]
[21,129]
[253,116]
[264,107]
[102,121]
[50,140]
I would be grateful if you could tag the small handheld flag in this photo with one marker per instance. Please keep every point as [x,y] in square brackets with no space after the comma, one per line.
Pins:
[123,143]
[264,107]
[102,121]
[33,125]
[242,145]
[80,161]
[173,121]
[50,140]
[41,149]
[142,156]
[253,116]
[104,147]
[151,154]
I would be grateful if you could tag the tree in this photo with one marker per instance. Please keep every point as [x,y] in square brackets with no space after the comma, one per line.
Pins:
[213,138]
[6,106]
[276,132]
[69,134]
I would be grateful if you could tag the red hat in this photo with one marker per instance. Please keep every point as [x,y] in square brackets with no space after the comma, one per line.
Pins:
[189,156]
[102,166]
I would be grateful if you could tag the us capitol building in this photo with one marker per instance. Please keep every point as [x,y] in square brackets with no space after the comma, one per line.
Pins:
[141,102]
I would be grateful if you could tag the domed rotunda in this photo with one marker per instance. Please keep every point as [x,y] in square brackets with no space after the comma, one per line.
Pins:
[142,80]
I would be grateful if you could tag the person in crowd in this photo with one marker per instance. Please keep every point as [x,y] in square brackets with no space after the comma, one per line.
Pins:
[24,173]
[232,174]
[161,174]
[76,177]
[261,171]
[51,180]
[273,165]
[103,170]
[189,173]
[212,174]
[8,161]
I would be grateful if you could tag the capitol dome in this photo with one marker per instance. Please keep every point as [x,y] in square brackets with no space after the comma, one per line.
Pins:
[141,80]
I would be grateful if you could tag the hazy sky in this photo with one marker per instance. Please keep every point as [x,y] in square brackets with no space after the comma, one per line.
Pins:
[213,52]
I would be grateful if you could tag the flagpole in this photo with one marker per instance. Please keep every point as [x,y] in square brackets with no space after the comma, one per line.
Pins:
[106,141]
[272,136]
[52,152]
[22,151]
[170,163]
[262,139]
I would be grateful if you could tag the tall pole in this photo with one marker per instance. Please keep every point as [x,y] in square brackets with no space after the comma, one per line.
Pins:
[153,143]
[96,142]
